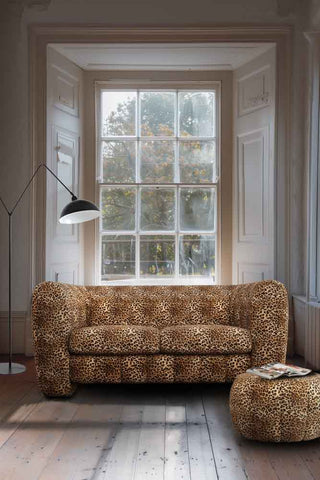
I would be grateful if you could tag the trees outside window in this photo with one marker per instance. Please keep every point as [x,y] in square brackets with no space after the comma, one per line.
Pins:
[157,183]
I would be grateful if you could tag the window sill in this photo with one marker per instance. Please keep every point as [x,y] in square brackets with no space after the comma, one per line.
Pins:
[162,281]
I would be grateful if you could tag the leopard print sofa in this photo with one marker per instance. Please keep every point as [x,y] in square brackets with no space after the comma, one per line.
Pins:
[155,334]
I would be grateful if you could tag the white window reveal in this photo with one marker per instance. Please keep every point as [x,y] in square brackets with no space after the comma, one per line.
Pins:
[157,181]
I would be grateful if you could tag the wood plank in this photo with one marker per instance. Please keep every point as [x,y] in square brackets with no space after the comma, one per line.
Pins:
[256,460]
[14,392]
[186,406]
[175,407]
[224,439]
[151,451]
[248,455]
[201,458]
[310,454]
[201,455]
[287,462]
[103,431]
[83,449]
[26,452]
[176,452]
[14,414]
[120,464]
[29,375]
[194,406]
[176,441]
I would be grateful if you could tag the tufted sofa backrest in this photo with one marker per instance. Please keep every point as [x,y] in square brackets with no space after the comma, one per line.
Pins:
[159,306]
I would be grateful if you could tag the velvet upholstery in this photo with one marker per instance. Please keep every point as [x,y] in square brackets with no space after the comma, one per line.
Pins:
[115,340]
[147,334]
[205,339]
[280,410]
[157,368]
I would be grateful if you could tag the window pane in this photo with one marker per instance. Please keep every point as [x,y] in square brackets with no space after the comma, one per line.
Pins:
[119,162]
[157,208]
[117,257]
[118,205]
[118,113]
[197,207]
[157,113]
[196,114]
[197,162]
[157,161]
[157,255]
[197,255]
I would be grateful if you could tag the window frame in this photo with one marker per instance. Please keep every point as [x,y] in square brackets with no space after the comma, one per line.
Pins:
[177,279]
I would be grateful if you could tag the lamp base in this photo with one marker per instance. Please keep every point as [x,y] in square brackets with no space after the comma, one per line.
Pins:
[15,368]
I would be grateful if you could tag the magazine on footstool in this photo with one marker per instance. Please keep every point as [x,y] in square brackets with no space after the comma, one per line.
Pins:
[271,371]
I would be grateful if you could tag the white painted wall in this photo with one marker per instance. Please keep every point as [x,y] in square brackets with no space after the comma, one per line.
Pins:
[14,113]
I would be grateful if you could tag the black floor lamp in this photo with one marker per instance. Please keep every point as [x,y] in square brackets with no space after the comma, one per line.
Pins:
[77,211]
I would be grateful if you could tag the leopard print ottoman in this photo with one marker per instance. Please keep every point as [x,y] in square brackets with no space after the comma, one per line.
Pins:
[280,410]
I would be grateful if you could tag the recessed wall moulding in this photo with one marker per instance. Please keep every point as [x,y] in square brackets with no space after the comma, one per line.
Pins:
[254,90]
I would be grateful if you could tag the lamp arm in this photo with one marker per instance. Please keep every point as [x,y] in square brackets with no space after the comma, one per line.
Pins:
[73,196]
[4,206]
[28,184]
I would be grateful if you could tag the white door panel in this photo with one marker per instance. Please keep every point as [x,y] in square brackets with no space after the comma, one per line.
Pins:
[63,242]
[253,200]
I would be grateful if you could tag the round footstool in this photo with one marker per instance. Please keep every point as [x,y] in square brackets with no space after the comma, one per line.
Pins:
[280,410]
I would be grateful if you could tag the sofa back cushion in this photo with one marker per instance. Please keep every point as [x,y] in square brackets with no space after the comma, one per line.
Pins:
[159,306]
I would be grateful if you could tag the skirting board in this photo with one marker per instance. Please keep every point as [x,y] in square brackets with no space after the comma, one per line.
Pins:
[18,332]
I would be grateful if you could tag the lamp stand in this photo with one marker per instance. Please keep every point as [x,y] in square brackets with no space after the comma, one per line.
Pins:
[9,367]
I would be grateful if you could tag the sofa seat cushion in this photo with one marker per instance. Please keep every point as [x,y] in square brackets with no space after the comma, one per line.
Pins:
[205,339]
[115,339]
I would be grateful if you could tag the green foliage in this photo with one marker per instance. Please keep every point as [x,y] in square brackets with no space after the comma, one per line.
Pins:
[118,208]
[197,255]
[157,209]
[118,256]
[157,255]
[157,157]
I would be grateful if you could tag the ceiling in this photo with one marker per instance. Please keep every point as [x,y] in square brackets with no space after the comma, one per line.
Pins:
[170,56]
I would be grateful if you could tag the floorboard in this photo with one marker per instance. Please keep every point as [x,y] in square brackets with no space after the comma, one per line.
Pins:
[310,454]
[121,462]
[26,452]
[224,440]
[82,451]
[136,432]
[151,451]
[177,465]
[288,468]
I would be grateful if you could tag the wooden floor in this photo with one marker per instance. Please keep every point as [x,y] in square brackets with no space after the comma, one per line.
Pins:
[135,432]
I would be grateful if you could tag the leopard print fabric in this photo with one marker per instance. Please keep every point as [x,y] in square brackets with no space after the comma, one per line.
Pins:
[205,339]
[64,313]
[115,339]
[280,410]
[157,368]
[56,310]
[136,339]
[262,308]
[160,306]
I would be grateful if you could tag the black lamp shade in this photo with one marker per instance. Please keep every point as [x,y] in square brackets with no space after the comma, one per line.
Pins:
[79,211]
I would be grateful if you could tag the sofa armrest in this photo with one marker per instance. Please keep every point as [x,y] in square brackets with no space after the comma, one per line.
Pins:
[56,310]
[262,307]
